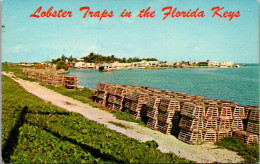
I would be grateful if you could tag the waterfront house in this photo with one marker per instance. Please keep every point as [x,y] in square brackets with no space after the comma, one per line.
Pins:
[205,64]
[118,65]
[80,64]
[153,63]
[90,65]
[227,64]
[214,64]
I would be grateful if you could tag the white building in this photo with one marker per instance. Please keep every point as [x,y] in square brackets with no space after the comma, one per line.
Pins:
[90,65]
[121,65]
[214,64]
[145,63]
[80,65]
[227,64]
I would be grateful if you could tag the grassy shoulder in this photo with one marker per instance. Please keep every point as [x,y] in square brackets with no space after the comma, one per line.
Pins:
[249,152]
[37,132]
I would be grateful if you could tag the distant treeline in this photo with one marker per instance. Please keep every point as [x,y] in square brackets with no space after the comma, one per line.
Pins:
[97,58]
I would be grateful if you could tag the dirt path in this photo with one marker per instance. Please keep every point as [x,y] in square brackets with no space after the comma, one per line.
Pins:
[205,153]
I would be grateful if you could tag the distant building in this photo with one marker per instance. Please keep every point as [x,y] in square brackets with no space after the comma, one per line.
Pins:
[227,64]
[170,64]
[120,65]
[90,65]
[214,64]
[80,65]
[153,63]
[202,64]
[145,63]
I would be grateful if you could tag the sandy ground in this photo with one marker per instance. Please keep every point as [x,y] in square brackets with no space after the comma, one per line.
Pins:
[205,153]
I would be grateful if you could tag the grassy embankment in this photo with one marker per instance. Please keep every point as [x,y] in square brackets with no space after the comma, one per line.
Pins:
[249,152]
[34,131]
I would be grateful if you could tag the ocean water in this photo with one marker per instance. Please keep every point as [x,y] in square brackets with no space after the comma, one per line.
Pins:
[234,84]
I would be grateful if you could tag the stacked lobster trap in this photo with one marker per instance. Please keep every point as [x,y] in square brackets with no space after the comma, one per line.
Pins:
[251,133]
[193,119]
[48,77]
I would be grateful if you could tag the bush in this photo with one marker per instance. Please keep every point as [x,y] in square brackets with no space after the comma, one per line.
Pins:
[61,65]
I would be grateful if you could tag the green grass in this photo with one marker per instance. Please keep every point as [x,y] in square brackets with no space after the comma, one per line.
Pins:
[82,96]
[37,132]
[125,116]
[118,124]
[249,152]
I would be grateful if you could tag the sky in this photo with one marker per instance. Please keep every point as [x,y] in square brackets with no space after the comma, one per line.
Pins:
[30,39]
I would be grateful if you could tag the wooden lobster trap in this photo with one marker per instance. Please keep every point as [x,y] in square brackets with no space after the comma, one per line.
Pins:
[164,127]
[254,114]
[117,107]
[134,96]
[70,81]
[169,105]
[101,94]
[253,127]
[212,112]
[237,125]
[128,94]
[210,136]
[210,124]
[110,105]
[127,103]
[136,115]
[49,78]
[190,137]
[100,101]
[153,102]
[246,137]
[224,125]
[135,106]
[167,117]
[193,110]
[210,102]
[152,112]
[110,98]
[118,100]
[101,86]
[120,91]
[39,78]
[57,80]
[152,123]
[110,88]
[44,78]
[225,112]
[195,125]
[238,112]
[32,75]
[227,103]
[113,107]
[223,134]
[198,102]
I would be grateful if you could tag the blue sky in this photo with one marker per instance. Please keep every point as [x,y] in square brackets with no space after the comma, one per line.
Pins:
[198,39]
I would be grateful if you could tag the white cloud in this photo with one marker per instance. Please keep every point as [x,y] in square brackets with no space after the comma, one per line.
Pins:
[17,48]
[91,48]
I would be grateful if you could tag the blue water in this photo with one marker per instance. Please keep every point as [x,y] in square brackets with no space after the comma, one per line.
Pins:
[234,84]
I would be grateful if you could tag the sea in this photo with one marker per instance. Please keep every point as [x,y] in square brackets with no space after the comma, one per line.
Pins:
[233,84]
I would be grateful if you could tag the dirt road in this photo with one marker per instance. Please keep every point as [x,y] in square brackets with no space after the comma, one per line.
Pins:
[205,153]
